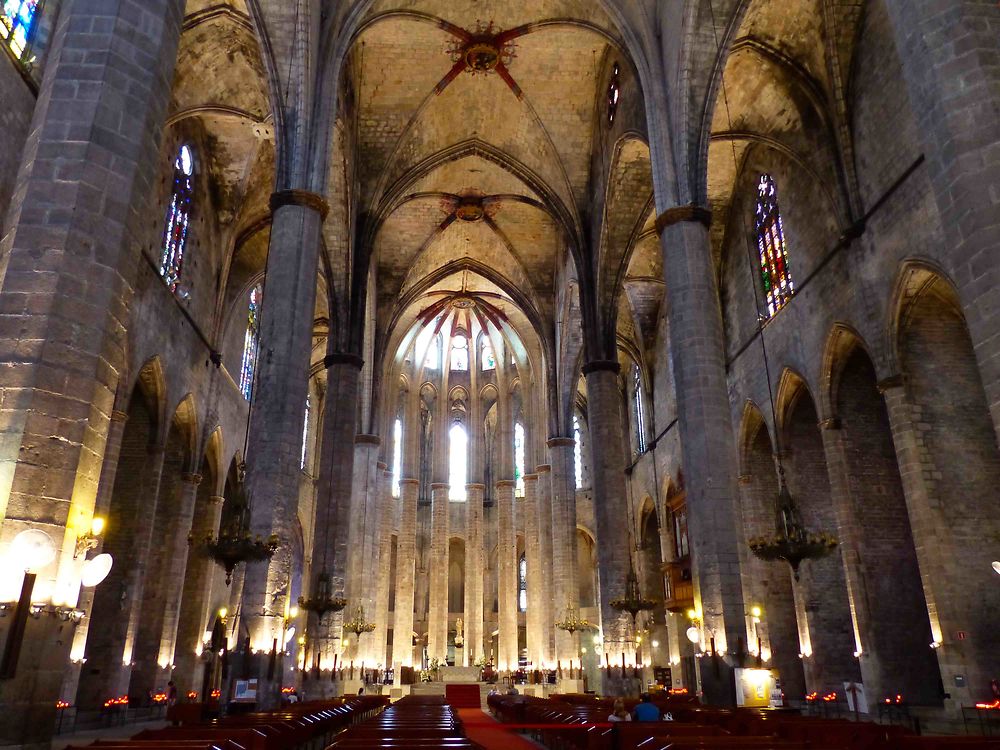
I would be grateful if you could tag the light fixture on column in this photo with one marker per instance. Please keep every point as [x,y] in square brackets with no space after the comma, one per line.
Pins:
[358,625]
[32,550]
[87,542]
[633,602]
[322,601]
[234,544]
[996,567]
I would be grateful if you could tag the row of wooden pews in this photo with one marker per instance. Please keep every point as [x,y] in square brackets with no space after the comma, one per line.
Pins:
[581,723]
[305,726]
[412,722]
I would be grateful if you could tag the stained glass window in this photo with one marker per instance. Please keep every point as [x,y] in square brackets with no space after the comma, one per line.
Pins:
[178,216]
[775,278]
[251,341]
[458,461]
[614,93]
[460,353]
[518,460]
[637,407]
[489,361]
[397,454]
[305,432]
[16,21]
[433,354]
[522,584]
[577,453]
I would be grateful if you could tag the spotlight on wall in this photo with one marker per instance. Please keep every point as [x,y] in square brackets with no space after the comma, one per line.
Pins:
[996,567]
[89,541]
[693,634]
[935,644]
[96,570]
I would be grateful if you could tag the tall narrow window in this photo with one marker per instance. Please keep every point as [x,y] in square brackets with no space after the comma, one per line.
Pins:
[459,353]
[458,460]
[17,17]
[433,359]
[178,216]
[522,584]
[518,460]
[248,367]
[577,453]
[489,361]
[774,274]
[637,407]
[305,432]
[614,93]
[397,454]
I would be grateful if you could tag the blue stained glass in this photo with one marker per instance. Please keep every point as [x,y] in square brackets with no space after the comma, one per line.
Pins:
[178,216]
[250,343]
[15,24]
[774,275]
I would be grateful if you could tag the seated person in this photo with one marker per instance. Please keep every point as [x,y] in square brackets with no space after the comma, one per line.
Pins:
[618,712]
[646,711]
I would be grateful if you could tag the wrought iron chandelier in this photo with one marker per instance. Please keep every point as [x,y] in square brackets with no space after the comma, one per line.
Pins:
[633,602]
[791,542]
[235,544]
[358,625]
[321,601]
[572,622]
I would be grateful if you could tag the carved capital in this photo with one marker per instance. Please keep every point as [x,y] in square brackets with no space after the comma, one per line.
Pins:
[363,439]
[601,365]
[560,442]
[893,381]
[119,416]
[343,358]
[543,468]
[191,478]
[677,214]
[440,486]
[305,198]
[505,483]
[833,423]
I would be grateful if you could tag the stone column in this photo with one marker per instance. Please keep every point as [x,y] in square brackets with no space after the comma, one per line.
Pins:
[385,515]
[957,599]
[76,228]
[363,534]
[543,513]
[474,572]
[277,413]
[565,587]
[406,543]
[706,432]
[949,54]
[333,504]
[534,631]
[611,511]
[506,576]
[437,615]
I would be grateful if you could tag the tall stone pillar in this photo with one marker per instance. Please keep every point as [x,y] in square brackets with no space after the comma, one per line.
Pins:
[406,553]
[437,615]
[68,261]
[543,514]
[385,516]
[363,530]
[534,628]
[957,600]
[474,572]
[278,411]
[706,432]
[949,58]
[611,511]
[565,587]
[506,576]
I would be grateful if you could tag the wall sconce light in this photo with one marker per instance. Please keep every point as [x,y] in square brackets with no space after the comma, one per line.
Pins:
[87,542]
[857,654]
[35,610]
[656,644]
[755,613]
[935,644]
[996,567]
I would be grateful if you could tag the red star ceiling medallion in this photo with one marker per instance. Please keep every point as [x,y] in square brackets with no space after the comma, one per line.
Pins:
[487,50]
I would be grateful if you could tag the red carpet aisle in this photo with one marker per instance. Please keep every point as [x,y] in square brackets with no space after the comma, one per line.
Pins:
[463,695]
[482,728]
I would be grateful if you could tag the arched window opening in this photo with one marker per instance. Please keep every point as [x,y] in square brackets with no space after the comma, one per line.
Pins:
[681,548]
[614,93]
[178,216]
[489,361]
[522,584]
[459,353]
[248,368]
[518,460]
[17,18]
[433,354]
[774,274]
[577,453]
[305,432]
[637,408]
[397,454]
[458,461]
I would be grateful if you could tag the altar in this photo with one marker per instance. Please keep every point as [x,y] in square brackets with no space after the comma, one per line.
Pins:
[459,674]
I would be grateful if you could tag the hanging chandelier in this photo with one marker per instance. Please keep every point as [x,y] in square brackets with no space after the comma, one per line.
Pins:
[359,625]
[234,544]
[321,601]
[633,601]
[791,542]
[572,622]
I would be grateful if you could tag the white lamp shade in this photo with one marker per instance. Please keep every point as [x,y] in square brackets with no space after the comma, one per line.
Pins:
[32,549]
[693,634]
[96,570]
[289,634]
[996,567]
